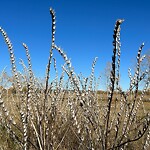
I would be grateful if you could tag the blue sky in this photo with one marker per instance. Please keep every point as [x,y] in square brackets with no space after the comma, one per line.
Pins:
[84,29]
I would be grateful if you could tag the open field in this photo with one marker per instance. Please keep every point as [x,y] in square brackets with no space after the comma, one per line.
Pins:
[67,129]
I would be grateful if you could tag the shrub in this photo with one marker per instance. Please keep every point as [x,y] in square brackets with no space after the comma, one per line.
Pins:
[72,113]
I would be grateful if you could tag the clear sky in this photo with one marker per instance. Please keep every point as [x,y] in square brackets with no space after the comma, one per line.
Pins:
[84,30]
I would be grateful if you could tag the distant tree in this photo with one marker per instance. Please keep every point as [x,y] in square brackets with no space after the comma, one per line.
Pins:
[107,75]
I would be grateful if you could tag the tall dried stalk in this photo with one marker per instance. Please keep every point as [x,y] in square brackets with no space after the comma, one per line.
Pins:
[116,44]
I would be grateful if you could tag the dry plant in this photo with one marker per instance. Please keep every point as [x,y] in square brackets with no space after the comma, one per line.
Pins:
[70,113]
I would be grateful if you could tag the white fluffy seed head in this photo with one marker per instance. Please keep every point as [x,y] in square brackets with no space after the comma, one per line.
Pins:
[1,102]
